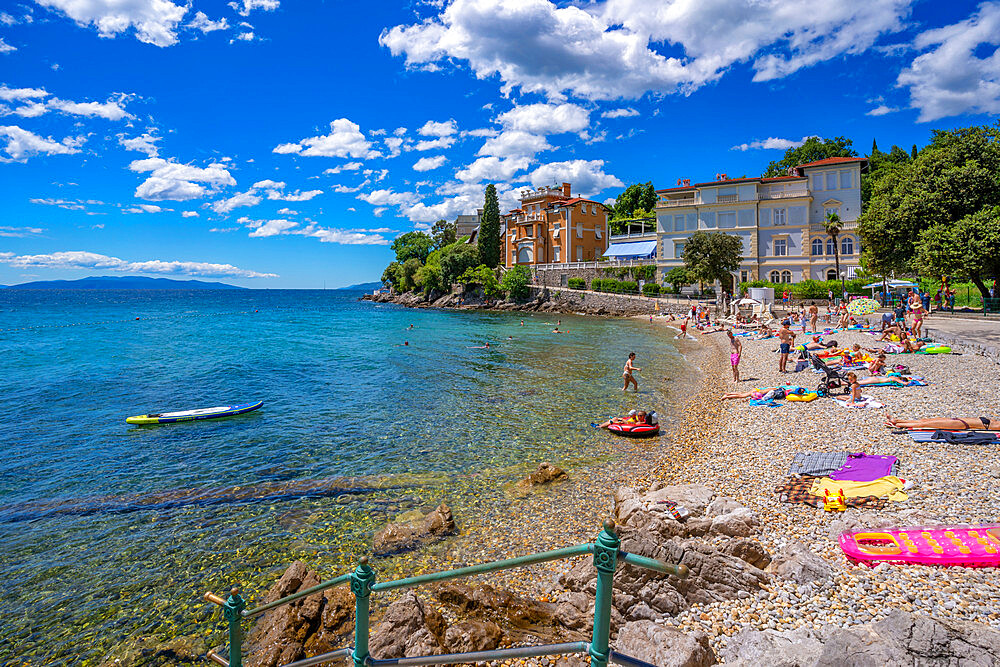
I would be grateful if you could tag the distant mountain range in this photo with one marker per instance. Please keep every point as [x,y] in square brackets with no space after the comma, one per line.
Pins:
[368,287]
[122,282]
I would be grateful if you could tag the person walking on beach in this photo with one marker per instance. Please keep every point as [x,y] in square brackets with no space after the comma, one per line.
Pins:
[813,316]
[627,372]
[787,338]
[684,329]
[735,350]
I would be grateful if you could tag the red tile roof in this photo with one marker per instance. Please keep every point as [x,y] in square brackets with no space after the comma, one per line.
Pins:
[832,160]
[679,187]
[781,178]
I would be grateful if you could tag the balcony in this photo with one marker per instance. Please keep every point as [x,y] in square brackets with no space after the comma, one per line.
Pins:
[785,194]
[727,199]
[690,201]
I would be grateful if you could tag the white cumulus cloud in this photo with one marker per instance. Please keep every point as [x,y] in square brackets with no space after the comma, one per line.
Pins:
[155,21]
[492,169]
[207,25]
[546,118]
[171,180]
[438,129]
[21,144]
[771,143]
[960,71]
[428,163]
[78,259]
[144,143]
[244,7]
[110,110]
[344,140]
[189,214]
[587,176]
[626,112]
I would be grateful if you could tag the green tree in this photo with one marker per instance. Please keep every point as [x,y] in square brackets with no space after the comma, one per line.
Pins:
[711,256]
[813,149]
[956,175]
[678,277]
[483,276]
[431,278]
[412,245]
[913,152]
[443,233]
[832,225]
[875,150]
[970,247]
[408,273]
[392,276]
[898,155]
[636,201]
[489,229]
[515,282]
[455,259]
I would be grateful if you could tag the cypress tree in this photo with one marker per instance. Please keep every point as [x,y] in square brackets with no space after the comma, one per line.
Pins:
[489,229]
[913,152]
[874,148]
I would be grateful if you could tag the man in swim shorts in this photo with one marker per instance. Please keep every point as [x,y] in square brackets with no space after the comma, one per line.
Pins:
[787,338]
[813,316]
[735,350]
[627,372]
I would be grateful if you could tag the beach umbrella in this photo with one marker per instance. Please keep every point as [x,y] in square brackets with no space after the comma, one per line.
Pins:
[862,307]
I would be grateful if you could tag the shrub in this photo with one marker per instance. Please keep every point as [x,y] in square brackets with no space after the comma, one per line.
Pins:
[577,283]
[483,276]
[628,287]
[650,289]
[515,282]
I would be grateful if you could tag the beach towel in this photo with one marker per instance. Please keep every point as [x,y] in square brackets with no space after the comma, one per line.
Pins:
[797,490]
[767,403]
[966,437]
[865,402]
[865,468]
[890,487]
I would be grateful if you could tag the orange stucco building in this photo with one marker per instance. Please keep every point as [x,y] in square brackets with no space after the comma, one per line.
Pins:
[553,227]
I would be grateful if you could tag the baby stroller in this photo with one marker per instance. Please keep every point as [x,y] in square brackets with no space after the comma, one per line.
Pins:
[832,378]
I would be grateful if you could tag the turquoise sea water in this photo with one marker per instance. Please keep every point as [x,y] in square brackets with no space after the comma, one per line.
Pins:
[109,531]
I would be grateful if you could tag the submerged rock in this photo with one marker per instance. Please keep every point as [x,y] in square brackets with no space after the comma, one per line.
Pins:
[406,535]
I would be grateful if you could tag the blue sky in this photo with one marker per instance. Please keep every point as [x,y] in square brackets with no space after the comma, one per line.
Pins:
[276,144]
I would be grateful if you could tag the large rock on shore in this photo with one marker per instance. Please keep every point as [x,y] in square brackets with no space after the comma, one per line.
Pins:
[406,535]
[664,646]
[519,617]
[409,628]
[314,624]
[649,527]
[797,563]
[899,640]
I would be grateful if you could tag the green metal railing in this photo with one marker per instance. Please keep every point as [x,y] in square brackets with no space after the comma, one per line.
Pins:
[605,550]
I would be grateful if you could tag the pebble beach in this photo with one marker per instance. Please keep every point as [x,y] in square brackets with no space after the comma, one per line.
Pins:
[744,451]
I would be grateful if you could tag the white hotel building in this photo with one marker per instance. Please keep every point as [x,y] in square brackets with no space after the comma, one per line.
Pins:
[780,220]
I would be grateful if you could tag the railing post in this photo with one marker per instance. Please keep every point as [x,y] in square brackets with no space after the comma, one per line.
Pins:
[605,560]
[361,585]
[232,613]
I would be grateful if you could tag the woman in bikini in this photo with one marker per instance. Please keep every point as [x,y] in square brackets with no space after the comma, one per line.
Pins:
[627,372]
[945,423]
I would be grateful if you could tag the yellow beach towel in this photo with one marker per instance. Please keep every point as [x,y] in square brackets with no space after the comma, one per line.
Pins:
[891,487]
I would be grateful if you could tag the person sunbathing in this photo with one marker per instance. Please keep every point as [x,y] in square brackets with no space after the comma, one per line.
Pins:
[877,366]
[894,381]
[889,333]
[945,423]
[910,345]
[764,393]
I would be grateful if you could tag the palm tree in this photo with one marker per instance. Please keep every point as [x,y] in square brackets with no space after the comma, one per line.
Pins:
[833,225]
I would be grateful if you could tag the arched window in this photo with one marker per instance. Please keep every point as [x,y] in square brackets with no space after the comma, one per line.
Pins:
[774,277]
[817,246]
[847,246]
[524,255]
[829,246]
[786,276]
[831,274]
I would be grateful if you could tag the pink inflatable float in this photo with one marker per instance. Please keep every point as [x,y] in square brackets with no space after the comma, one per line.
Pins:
[971,546]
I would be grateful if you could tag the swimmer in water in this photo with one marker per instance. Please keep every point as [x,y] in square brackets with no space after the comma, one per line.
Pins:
[522,323]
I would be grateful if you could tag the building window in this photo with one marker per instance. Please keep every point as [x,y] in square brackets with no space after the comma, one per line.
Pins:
[786,276]
[779,217]
[579,253]
[831,180]
[524,255]
[529,231]
[678,250]
[744,276]
[557,254]
[780,247]
[845,179]
[817,246]
[727,219]
[678,223]
[833,211]
[847,246]
[817,183]
[830,247]
[831,274]
[774,277]
[597,231]
[579,231]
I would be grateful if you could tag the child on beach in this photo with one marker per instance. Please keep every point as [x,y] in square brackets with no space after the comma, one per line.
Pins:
[787,338]
[627,372]
[736,348]
[684,329]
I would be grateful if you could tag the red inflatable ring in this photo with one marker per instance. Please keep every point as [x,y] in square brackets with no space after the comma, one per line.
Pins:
[635,430]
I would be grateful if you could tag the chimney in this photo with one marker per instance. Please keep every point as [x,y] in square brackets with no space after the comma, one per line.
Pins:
[566,190]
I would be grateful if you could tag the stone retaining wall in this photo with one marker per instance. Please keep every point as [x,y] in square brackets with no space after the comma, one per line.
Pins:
[968,346]
[601,303]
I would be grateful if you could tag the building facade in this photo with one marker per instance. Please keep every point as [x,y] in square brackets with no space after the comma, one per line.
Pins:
[465,225]
[779,220]
[552,227]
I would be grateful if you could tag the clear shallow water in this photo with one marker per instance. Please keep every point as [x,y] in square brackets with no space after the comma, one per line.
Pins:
[109,531]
